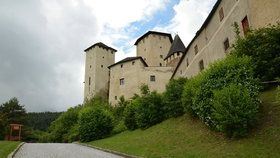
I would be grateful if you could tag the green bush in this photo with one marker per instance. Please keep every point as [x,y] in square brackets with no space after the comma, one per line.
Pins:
[198,94]
[263,45]
[120,127]
[130,115]
[149,110]
[95,123]
[234,110]
[61,126]
[172,98]
[73,134]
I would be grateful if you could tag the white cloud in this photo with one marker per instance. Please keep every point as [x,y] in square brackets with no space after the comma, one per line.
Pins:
[189,16]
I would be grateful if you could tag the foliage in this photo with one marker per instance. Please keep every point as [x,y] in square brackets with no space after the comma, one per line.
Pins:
[149,108]
[95,123]
[11,112]
[188,137]
[172,98]
[234,110]
[198,94]
[60,127]
[263,45]
[130,115]
[41,120]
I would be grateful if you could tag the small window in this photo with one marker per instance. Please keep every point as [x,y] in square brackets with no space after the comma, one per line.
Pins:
[160,64]
[221,13]
[178,53]
[145,59]
[122,81]
[181,72]
[103,57]
[159,37]
[245,25]
[187,62]
[195,49]
[101,65]
[160,47]
[226,44]
[116,97]
[133,62]
[201,65]
[90,66]
[121,65]
[152,78]
[145,49]
[161,56]
[89,80]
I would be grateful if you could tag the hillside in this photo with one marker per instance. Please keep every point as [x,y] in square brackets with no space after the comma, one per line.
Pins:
[188,137]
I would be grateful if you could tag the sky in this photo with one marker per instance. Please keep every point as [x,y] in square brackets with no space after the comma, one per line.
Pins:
[42,42]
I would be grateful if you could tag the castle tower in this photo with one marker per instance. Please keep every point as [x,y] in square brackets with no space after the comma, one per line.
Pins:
[98,57]
[175,53]
[153,47]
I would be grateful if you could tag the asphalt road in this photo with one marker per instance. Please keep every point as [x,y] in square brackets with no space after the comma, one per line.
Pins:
[60,150]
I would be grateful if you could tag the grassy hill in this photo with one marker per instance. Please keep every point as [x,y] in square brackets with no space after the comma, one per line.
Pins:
[6,147]
[188,137]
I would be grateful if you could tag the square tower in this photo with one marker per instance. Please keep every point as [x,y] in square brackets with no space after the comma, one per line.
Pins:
[98,57]
[153,47]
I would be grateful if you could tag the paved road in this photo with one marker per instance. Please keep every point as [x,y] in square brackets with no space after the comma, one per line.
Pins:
[60,150]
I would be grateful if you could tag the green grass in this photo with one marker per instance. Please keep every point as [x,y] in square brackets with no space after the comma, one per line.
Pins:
[6,147]
[188,137]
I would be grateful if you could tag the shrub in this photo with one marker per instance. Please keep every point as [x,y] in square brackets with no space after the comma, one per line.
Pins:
[129,115]
[149,110]
[63,124]
[263,45]
[120,127]
[172,98]
[234,110]
[95,123]
[198,93]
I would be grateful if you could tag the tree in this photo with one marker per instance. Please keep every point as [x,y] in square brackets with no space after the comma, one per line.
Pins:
[11,112]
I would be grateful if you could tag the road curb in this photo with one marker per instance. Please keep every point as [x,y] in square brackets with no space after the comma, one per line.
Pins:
[108,150]
[12,154]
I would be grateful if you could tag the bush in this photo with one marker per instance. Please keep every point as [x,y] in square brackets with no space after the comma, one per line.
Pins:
[172,98]
[130,115]
[263,45]
[95,123]
[198,94]
[149,110]
[61,126]
[234,110]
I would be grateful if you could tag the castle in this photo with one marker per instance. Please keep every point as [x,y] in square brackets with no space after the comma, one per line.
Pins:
[161,58]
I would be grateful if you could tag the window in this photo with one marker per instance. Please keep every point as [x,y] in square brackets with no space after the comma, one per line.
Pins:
[103,57]
[181,72]
[195,49]
[116,97]
[89,79]
[245,25]
[122,81]
[160,64]
[160,47]
[90,66]
[133,62]
[226,44]
[152,78]
[187,62]
[101,65]
[178,53]
[221,13]
[201,65]
[121,65]
[161,56]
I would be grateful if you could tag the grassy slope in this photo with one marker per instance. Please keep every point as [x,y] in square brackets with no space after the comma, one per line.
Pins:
[6,147]
[187,137]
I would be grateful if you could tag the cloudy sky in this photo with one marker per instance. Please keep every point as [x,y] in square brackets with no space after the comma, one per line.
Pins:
[42,41]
